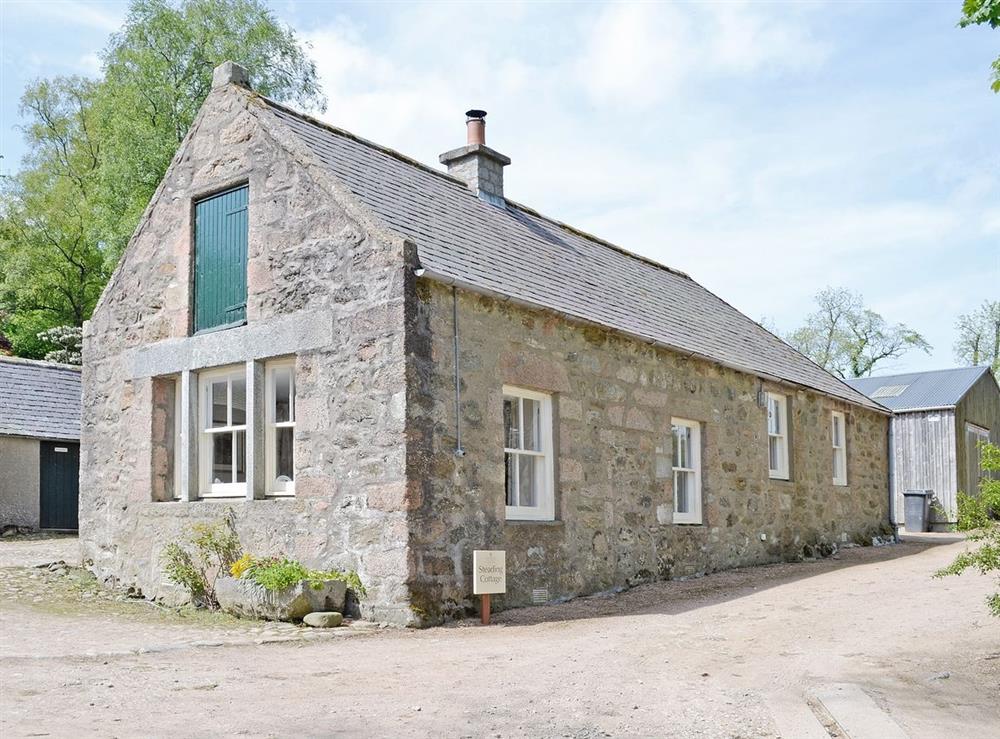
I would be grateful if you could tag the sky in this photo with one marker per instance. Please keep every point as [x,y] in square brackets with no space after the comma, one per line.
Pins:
[766,149]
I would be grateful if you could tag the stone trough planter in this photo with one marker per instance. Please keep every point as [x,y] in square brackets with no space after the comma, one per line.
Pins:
[247,599]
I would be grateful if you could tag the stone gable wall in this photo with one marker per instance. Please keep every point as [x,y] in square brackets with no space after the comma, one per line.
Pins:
[613,402]
[306,257]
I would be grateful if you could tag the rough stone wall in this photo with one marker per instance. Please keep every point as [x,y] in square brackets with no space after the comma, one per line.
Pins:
[19,482]
[613,402]
[305,253]
[482,173]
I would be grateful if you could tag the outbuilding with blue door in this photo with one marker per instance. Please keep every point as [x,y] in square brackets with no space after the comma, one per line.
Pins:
[39,445]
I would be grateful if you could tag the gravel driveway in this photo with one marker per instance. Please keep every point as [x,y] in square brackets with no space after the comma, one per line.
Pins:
[866,644]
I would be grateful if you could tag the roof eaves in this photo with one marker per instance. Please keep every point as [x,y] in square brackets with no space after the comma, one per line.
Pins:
[41,363]
[925,409]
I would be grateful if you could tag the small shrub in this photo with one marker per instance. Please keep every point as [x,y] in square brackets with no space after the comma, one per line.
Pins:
[216,549]
[977,516]
[180,568]
[973,513]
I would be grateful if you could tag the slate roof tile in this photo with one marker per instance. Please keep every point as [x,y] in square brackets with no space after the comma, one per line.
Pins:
[39,399]
[520,254]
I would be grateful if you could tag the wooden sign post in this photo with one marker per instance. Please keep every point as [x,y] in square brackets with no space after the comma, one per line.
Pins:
[489,575]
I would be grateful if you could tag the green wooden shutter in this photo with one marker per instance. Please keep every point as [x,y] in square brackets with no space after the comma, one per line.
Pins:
[220,260]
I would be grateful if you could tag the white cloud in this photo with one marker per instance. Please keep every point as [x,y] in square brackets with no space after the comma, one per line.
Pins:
[103,16]
[638,54]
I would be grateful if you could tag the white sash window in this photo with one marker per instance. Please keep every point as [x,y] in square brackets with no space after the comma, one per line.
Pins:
[777,436]
[528,467]
[687,470]
[838,435]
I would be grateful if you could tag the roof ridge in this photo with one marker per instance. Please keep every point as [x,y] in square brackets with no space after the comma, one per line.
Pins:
[360,139]
[451,178]
[41,363]
[981,367]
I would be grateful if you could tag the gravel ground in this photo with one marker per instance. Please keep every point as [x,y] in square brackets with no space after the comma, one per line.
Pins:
[736,654]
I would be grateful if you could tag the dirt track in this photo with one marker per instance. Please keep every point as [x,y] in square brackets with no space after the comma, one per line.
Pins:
[765,652]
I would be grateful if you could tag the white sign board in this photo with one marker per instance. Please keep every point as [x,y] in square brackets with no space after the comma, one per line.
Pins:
[489,572]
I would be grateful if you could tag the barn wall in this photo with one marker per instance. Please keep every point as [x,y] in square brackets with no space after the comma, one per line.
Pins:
[923,449]
[981,407]
[18,482]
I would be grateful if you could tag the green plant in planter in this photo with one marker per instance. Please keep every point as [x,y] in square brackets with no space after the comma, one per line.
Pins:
[278,573]
[216,548]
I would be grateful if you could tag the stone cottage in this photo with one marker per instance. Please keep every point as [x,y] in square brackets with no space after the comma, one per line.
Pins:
[382,366]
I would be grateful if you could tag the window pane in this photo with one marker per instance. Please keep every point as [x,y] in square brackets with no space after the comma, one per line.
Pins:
[282,395]
[774,446]
[836,431]
[532,425]
[284,438]
[682,446]
[527,483]
[510,478]
[774,415]
[239,385]
[222,458]
[241,455]
[220,399]
[682,491]
[511,423]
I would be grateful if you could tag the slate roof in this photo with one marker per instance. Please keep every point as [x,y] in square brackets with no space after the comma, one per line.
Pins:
[920,390]
[520,254]
[39,399]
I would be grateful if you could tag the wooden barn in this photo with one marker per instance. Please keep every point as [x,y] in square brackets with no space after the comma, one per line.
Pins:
[939,419]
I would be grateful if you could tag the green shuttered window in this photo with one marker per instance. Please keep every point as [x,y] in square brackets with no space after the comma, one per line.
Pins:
[220,260]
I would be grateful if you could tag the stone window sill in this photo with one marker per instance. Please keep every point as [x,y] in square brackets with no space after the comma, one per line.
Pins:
[521,522]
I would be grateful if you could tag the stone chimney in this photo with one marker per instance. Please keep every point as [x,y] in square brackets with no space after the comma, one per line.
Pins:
[479,166]
[230,72]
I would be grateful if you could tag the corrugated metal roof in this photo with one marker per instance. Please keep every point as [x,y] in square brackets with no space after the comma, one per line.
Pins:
[517,253]
[39,399]
[935,389]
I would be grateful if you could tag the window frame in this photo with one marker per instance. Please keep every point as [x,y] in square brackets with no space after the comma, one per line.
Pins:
[206,488]
[545,510]
[178,439]
[982,434]
[694,516]
[839,452]
[271,426]
[780,472]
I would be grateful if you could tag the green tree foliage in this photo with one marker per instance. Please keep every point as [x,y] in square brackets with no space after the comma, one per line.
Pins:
[99,148]
[979,336]
[850,340]
[52,268]
[977,515]
[979,12]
